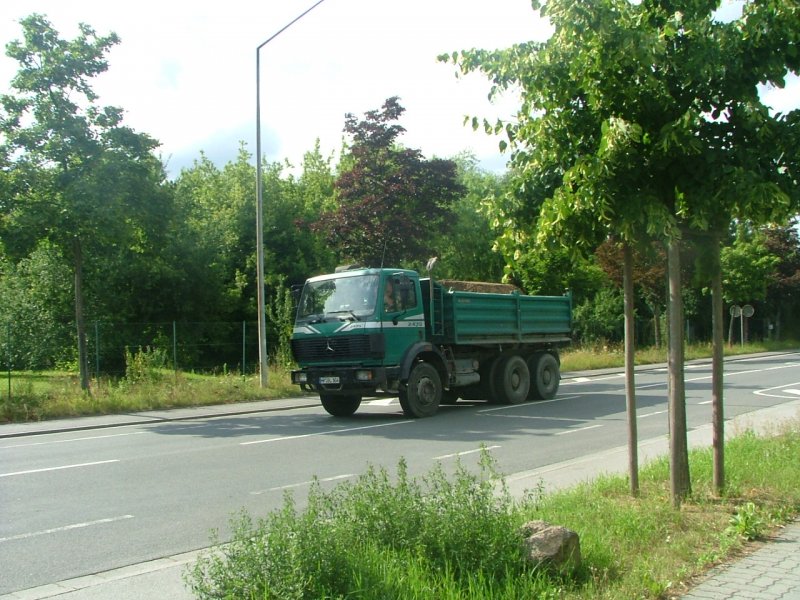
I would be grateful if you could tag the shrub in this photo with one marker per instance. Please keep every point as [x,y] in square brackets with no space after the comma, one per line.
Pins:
[374,538]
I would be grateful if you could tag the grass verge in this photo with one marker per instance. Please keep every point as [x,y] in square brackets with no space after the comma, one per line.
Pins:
[49,395]
[610,356]
[456,537]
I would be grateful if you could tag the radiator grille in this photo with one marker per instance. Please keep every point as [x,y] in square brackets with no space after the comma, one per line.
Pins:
[346,347]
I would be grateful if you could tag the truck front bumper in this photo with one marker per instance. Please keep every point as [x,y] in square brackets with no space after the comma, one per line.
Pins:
[346,380]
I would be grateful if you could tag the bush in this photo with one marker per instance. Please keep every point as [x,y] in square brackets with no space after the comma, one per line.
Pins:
[600,319]
[374,538]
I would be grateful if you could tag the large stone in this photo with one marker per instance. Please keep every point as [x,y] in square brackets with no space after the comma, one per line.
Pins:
[551,544]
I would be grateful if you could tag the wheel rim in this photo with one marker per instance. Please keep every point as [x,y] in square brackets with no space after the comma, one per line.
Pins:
[426,391]
[515,379]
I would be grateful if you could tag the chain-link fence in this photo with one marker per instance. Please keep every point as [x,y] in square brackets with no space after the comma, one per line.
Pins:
[206,347]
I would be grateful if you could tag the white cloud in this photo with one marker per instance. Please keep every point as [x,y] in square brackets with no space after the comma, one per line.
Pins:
[185,72]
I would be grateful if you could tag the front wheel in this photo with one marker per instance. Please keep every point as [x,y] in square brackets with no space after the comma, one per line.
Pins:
[340,406]
[420,397]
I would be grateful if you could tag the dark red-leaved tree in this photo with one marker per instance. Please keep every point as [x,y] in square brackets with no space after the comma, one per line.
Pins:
[393,203]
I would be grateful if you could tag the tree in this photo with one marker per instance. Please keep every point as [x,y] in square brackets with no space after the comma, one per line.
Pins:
[650,112]
[783,286]
[648,272]
[466,252]
[79,174]
[393,203]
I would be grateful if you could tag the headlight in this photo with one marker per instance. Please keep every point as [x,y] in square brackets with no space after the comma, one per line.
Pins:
[363,375]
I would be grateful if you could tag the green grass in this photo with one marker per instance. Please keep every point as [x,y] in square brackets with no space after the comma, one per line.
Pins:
[37,396]
[456,537]
[610,356]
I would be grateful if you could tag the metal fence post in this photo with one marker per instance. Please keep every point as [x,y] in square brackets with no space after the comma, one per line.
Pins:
[244,348]
[96,349]
[8,360]
[175,347]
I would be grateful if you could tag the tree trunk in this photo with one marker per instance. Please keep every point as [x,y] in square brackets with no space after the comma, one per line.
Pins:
[630,383]
[657,325]
[680,483]
[717,413]
[83,362]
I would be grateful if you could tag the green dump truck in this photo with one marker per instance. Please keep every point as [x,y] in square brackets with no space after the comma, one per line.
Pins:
[387,332]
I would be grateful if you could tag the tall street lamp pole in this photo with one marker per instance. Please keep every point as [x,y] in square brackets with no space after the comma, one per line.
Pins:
[262,321]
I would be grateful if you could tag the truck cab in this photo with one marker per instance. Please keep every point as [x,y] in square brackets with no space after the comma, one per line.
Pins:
[353,330]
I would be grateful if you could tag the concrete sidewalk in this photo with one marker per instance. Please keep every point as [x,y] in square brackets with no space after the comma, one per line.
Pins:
[772,572]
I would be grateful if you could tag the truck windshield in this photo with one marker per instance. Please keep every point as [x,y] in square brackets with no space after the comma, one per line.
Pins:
[353,296]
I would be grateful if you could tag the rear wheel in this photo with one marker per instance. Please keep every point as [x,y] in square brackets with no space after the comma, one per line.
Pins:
[545,376]
[489,379]
[421,396]
[512,380]
[340,406]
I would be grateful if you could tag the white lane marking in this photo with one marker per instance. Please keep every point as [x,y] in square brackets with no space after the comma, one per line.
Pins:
[465,453]
[319,433]
[91,464]
[25,536]
[381,402]
[80,439]
[540,418]
[568,431]
[579,379]
[780,391]
[301,484]
[529,404]
[652,414]
[704,402]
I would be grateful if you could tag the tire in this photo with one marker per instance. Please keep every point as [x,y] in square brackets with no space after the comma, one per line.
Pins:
[512,380]
[340,406]
[449,396]
[489,379]
[421,395]
[545,376]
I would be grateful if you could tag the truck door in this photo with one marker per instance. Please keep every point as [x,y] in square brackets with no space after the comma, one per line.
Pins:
[402,319]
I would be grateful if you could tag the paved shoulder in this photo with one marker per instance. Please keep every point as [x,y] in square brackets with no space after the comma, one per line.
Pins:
[770,573]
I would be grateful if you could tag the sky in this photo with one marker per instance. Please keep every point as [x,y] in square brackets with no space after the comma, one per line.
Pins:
[185,73]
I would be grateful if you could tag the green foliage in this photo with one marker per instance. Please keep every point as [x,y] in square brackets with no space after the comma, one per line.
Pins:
[376,538]
[466,251]
[746,268]
[280,316]
[80,178]
[34,307]
[391,201]
[145,364]
[747,522]
[600,319]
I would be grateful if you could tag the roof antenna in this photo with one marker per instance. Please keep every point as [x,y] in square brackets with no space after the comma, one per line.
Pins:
[383,255]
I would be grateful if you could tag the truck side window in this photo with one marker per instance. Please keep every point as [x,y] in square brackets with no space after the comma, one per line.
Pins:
[400,294]
[408,297]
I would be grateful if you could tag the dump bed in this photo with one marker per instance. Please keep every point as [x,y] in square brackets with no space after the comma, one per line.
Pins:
[474,318]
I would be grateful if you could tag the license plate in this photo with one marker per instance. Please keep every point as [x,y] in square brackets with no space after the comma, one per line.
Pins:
[328,380]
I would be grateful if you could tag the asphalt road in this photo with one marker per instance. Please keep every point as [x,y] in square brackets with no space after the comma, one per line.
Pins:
[80,502]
